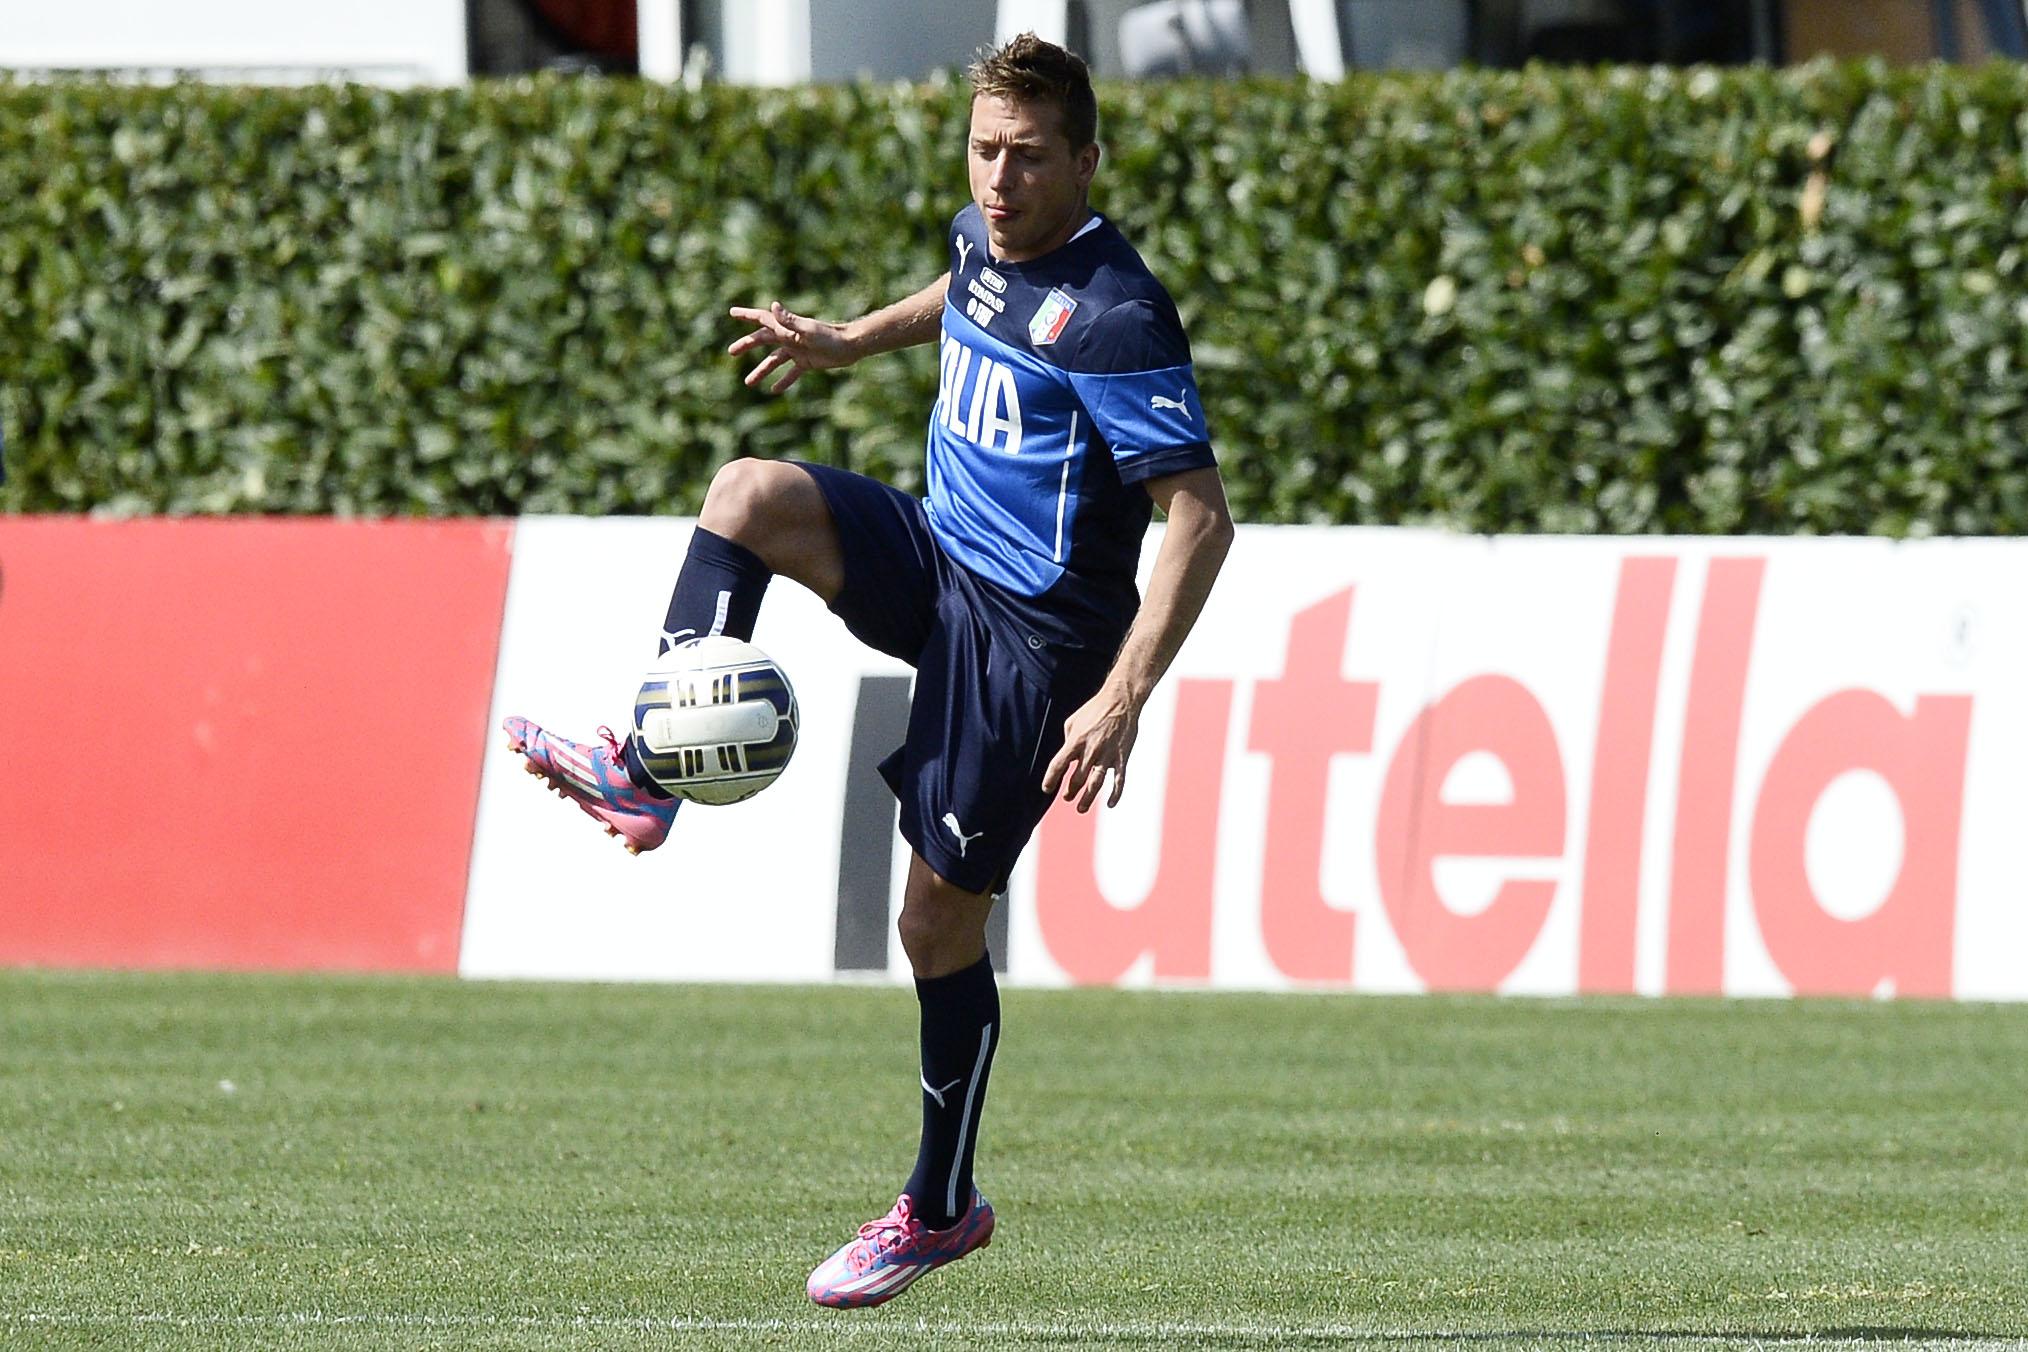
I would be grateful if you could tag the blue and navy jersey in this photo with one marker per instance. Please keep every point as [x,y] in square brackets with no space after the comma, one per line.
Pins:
[1065,383]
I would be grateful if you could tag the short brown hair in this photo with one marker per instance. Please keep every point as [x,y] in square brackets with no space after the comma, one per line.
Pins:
[1029,70]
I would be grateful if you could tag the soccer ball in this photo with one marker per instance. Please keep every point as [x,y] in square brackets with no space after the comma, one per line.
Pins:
[715,721]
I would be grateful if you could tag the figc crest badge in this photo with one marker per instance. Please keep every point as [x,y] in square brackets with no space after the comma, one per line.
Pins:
[1049,321]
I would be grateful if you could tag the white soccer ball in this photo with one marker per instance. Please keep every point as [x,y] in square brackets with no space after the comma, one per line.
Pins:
[715,721]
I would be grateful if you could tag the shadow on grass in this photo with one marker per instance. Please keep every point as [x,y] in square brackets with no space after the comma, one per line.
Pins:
[1346,1337]
[1746,1337]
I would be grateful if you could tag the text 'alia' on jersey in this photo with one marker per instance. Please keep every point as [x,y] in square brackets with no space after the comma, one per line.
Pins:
[1064,382]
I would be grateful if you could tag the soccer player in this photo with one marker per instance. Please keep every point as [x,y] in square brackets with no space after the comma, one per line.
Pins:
[1067,408]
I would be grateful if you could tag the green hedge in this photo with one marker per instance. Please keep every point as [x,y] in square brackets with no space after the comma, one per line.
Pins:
[1622,300]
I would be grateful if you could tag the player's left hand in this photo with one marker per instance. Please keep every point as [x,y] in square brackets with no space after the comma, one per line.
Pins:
[1097,740]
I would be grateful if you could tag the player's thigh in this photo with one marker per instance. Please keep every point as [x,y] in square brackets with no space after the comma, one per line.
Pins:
[776,509]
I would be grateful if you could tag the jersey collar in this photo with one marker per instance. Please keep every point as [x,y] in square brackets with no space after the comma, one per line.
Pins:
[1093,222]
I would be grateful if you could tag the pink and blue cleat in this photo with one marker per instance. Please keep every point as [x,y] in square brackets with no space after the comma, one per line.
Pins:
[887,1255]
[595,778]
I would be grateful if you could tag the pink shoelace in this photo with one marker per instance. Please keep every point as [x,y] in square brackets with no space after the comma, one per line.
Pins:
[889,1230]
[612,744]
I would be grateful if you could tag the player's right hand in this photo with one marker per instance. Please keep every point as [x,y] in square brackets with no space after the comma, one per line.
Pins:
[798,344]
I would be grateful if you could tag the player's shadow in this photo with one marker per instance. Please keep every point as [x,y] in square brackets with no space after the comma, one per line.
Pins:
[1344,1337]
[1721,1337]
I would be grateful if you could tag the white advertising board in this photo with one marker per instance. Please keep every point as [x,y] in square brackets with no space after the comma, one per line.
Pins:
[1385,760]
[745,892]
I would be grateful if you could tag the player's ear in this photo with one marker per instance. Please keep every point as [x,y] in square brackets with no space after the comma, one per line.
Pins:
[1087,164]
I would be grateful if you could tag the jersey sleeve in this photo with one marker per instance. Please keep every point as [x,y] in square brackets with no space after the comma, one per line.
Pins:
[1133,375]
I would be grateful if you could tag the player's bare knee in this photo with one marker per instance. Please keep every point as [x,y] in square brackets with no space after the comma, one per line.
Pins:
[737,505]
[922,932]
[777,511]
[940,940]
[942,926]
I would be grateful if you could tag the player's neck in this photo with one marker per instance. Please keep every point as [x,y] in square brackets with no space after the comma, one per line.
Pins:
[1063,235]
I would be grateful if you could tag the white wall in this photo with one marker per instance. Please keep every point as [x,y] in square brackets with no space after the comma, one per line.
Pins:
[902,39]
[395,42]
[778,42]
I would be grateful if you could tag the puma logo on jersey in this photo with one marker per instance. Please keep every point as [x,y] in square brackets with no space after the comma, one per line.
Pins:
[964,841]
[1179,403]
[977,399]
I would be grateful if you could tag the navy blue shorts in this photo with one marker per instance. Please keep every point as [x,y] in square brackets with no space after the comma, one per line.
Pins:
[987,716]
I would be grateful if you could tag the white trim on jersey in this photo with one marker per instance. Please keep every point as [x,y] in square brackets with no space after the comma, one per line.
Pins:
[1063,489]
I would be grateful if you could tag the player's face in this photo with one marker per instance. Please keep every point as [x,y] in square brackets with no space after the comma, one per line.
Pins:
[1029,182]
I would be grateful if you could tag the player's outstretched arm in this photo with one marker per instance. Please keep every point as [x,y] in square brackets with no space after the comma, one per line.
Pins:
[798,343]
[1099,737]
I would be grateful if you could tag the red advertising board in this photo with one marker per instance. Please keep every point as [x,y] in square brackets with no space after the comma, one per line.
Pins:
[242,743]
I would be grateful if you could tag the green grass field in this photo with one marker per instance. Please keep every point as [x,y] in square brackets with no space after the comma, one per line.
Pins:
[226,1162]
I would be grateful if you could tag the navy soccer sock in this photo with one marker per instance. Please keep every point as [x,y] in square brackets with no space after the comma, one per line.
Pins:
[718,591]
[960,1029]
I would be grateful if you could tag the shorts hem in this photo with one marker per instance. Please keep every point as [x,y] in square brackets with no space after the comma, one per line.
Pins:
[977,878]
